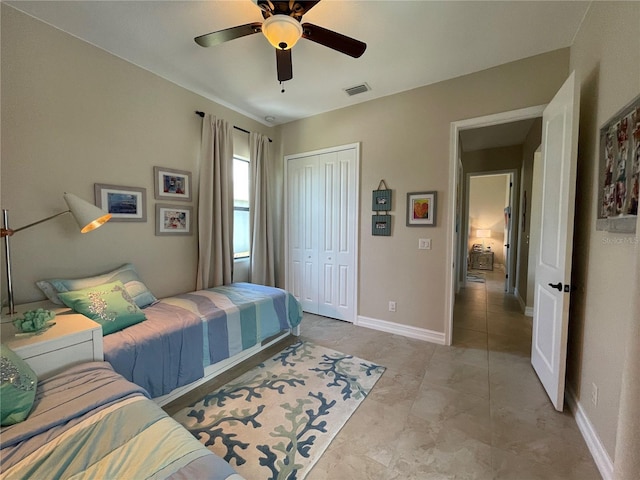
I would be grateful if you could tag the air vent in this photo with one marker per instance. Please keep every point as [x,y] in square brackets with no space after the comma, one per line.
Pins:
[351,91]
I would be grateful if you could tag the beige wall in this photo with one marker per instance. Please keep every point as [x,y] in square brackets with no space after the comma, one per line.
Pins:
[606,57]
[74,115]
[405,141]
[492,159]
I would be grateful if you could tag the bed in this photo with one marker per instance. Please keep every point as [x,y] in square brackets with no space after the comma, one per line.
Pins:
[189,338]
[90,422]
[172,345]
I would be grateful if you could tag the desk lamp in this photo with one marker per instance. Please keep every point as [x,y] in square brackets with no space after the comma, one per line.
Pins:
[88,216]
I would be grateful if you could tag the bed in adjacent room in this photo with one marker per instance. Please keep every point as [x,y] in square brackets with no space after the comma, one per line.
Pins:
[90,422]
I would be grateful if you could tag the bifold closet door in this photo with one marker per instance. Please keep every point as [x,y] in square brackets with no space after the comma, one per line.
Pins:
[337,230]
[302,189]
[322,223]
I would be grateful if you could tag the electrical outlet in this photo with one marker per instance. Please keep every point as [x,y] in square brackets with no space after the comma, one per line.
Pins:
[424,244]
[392,306]
[594,394]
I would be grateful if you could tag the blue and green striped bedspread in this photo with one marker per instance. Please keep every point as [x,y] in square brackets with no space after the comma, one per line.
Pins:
[185,333]
[89,422]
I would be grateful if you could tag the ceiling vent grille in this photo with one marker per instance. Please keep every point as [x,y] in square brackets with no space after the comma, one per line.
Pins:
[363,87]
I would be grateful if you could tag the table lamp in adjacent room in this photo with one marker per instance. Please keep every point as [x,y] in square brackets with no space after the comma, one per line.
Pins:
[483,234]
[88,216]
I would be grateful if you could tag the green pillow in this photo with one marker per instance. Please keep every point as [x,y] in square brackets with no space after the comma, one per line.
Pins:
[126,274]
[18,384]
[109,304]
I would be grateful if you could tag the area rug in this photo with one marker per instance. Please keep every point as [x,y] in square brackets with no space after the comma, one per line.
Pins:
[474,277]
[275,421]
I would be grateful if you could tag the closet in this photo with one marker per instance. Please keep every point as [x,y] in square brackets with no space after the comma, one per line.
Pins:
[322,221]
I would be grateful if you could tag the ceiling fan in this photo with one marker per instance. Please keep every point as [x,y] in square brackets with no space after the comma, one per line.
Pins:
[283,28]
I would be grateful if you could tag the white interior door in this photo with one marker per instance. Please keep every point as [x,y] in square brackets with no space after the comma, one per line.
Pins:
[337,230]
[302,190]
[553,266]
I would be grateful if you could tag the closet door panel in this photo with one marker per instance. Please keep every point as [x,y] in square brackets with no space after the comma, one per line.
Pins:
[303,253]
[294,236]
[337,252]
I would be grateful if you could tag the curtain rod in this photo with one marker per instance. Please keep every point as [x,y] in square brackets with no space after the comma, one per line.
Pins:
[201,114]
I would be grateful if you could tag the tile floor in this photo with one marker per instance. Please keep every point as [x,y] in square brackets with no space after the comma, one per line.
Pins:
[475,410]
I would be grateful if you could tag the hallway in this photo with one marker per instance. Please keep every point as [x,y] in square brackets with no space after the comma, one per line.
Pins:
[528,435]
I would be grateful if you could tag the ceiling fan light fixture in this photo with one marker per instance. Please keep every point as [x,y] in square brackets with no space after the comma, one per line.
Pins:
[282,31]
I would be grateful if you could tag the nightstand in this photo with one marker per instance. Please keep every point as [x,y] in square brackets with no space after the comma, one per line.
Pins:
[73,339]
[481,260]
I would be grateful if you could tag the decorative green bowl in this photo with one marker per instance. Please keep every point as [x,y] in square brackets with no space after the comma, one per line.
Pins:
[34,320]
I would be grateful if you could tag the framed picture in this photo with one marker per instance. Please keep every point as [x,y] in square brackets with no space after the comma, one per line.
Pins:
[172,184]
[381,225]
[173,220]
[619,186]
[421,209]
[125,204]
[381,198]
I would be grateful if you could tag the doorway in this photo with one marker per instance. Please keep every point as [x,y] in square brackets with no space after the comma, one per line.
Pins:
[559,154]
[489,207]
[457,249]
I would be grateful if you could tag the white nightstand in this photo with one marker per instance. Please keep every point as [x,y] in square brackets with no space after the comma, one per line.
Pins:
[73,339]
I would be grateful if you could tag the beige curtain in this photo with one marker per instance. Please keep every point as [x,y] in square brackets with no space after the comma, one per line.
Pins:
[261,268]
[215,204]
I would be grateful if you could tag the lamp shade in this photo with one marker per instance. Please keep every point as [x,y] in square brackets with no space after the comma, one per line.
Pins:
[483,233]
[88,216]
[282,31]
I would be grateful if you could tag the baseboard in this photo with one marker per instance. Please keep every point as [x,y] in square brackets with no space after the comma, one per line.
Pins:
[522,303]
[528,311]
[398,329]
[598,452]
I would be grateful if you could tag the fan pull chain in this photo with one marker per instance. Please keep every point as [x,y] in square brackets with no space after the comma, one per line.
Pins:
[282,91]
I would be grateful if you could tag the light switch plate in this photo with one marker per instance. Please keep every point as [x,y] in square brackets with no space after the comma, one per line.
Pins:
[424,244]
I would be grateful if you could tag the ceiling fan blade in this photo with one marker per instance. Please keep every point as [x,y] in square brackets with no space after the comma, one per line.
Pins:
[284,65]
[304,6]
[294,8]
[347,45]
[216,38]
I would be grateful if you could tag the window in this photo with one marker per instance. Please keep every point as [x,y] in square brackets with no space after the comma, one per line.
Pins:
[240,208]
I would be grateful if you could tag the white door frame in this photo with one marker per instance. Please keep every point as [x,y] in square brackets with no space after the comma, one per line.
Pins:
[454,153]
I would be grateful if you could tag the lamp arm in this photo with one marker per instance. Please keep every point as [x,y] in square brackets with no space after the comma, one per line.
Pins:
[12,231]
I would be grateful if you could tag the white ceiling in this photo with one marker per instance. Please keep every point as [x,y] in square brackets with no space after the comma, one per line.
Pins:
[409,44]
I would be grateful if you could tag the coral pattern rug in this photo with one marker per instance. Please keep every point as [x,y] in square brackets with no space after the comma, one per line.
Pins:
[276,420]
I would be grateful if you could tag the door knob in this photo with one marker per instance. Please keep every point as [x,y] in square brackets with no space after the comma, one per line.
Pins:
[557,286]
